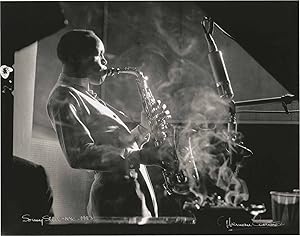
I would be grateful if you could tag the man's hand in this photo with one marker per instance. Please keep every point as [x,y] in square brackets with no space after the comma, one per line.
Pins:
[167,156]
[163,156]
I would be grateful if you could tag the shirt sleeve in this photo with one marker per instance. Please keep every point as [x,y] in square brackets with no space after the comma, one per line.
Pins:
[77,143]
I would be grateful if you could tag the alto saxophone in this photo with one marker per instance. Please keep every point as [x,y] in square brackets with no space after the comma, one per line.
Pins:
[161,131]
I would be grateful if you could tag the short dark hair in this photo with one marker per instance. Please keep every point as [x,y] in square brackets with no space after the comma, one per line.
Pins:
[76,45]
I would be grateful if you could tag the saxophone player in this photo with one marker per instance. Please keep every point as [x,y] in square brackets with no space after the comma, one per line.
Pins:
[93,137]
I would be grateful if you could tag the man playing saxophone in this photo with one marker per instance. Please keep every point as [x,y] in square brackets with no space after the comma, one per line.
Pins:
[92,136]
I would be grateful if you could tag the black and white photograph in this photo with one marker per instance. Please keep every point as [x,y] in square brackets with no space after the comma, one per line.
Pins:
[149,117]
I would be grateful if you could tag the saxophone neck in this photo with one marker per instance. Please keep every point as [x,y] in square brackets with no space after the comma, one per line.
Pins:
[126,70]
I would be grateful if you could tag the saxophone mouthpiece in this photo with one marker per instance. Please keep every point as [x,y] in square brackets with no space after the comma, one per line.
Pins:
[111,71]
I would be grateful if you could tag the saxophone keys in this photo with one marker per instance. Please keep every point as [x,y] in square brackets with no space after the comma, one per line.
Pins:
[164,134]
[168,117]
[163,126]
[181,178]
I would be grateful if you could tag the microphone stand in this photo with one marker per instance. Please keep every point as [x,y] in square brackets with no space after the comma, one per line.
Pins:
[284,100]
[226,92]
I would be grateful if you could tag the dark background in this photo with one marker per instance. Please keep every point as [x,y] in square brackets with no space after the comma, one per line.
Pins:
[275,164]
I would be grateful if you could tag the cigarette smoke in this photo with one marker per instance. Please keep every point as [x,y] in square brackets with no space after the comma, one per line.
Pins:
[205,148]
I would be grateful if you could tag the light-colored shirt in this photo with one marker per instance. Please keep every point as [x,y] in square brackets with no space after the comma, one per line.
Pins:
[92,136]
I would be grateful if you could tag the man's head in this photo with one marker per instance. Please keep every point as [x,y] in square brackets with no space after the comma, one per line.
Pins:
[82,54]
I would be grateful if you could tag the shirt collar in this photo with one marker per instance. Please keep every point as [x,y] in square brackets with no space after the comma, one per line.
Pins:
[66,80]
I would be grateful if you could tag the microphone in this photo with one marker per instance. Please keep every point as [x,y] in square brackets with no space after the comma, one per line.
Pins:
[219,69]
[223,84]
